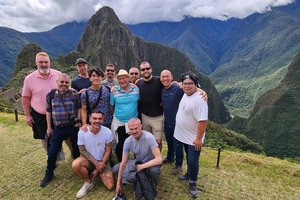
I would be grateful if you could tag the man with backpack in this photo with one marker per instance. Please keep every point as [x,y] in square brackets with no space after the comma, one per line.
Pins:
[97,98]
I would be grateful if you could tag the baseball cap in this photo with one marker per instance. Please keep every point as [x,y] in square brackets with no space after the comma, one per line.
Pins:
[80,60]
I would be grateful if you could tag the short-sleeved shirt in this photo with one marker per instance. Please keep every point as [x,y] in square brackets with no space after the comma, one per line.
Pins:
[170,101]
[37,87]
[95,143]
[59,114]
[109,83]
[150,96]
[79,83]
[125,103]
[103,106]
[142,148]
[192,109]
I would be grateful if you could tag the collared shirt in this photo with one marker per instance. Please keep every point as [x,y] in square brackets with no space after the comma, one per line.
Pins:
[125,103]
[57,109]
[37,87]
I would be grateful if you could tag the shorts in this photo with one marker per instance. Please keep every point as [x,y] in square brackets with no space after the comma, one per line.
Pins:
[39,127]
[91,168]
[154,125]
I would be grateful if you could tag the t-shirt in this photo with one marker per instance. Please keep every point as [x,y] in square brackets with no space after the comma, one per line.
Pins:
[142,148]
[170,101]
[125,103]
[150,96]
[103,105]
[79,83]
[95,143]
[37,87]
[192,109]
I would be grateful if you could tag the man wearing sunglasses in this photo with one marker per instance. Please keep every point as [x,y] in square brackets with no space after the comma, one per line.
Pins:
[110,72]
[134,74]
[62,111]
[150,102]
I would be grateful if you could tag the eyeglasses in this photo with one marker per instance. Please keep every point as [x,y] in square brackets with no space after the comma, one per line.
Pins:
[188,83]
[134,73]
[148,68]
[66,82]
[110,70]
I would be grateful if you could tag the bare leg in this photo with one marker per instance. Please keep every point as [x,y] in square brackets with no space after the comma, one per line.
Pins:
[159,142]
[44,144]
[80,167]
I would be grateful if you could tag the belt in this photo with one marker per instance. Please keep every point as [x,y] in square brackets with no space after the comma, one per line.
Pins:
[63,125]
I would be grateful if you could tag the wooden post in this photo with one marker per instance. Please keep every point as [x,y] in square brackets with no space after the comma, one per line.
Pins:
[16,115]
[219,155]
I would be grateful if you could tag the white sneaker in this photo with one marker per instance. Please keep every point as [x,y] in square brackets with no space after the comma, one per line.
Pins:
[84,189]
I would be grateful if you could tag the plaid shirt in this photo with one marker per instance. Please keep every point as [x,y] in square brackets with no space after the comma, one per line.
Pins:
[58,110]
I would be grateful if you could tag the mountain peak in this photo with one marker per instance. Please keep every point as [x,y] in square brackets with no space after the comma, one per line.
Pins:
[104,16]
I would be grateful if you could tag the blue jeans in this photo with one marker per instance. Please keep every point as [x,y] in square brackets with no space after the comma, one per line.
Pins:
[178,146]
[192,158]
[57,138]
[169,132]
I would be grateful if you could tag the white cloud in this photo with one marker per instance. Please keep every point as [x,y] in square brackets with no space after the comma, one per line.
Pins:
[41,15]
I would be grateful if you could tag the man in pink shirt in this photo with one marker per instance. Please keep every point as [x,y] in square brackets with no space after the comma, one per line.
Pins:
[36,86]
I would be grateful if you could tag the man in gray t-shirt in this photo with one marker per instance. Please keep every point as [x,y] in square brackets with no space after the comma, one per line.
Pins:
[145,149]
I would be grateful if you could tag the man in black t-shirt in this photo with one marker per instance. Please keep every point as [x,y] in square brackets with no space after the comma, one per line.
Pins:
[82,80]
[150,102]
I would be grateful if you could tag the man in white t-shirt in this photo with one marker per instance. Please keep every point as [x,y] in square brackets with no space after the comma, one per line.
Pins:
[191,121]
[95,147]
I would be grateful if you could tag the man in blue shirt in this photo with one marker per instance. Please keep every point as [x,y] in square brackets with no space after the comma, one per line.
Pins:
[124,101]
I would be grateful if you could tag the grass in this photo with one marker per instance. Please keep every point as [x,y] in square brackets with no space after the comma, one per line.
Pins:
[240,176]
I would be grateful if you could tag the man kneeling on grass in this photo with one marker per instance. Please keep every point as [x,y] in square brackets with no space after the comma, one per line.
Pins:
[95,148]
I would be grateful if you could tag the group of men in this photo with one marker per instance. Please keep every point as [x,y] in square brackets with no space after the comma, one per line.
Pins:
[96,115]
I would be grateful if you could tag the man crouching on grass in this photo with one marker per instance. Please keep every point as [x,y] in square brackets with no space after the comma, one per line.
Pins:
[95,148]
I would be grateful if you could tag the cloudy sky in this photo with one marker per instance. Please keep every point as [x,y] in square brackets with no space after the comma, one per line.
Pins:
[42,15]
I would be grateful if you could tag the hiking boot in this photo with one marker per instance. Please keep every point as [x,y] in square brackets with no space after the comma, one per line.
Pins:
[47,179]
[176,170]
[84,189]
[166,161]
[193,189]
[184,177]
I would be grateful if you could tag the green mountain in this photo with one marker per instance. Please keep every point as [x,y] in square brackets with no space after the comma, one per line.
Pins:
[107,40]
[243,57]
[274,121]
[58,41]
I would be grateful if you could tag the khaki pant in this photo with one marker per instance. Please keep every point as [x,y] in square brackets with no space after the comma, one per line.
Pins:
[154,125]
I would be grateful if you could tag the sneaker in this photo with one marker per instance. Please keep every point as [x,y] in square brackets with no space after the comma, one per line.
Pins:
[84,189]
[184,177]
[47,179]
[176,170]
[166,161]
[193,189]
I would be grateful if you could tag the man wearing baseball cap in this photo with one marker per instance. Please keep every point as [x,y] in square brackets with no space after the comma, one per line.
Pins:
[82,80]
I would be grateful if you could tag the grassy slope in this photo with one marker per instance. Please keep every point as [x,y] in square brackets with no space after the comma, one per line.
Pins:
[241,175]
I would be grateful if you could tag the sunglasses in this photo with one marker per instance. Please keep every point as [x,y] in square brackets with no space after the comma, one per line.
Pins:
[134,73]
[148,68]
[110,70]
[66,82]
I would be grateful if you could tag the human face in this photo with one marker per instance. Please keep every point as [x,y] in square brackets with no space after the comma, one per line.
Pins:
[96,120]
[110,72]
[146,71]
[43,64]
[95,79]
[166,78]
[189,87]
[82,69]
[123,81]
[134,74]
[135,129]
[63,84]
